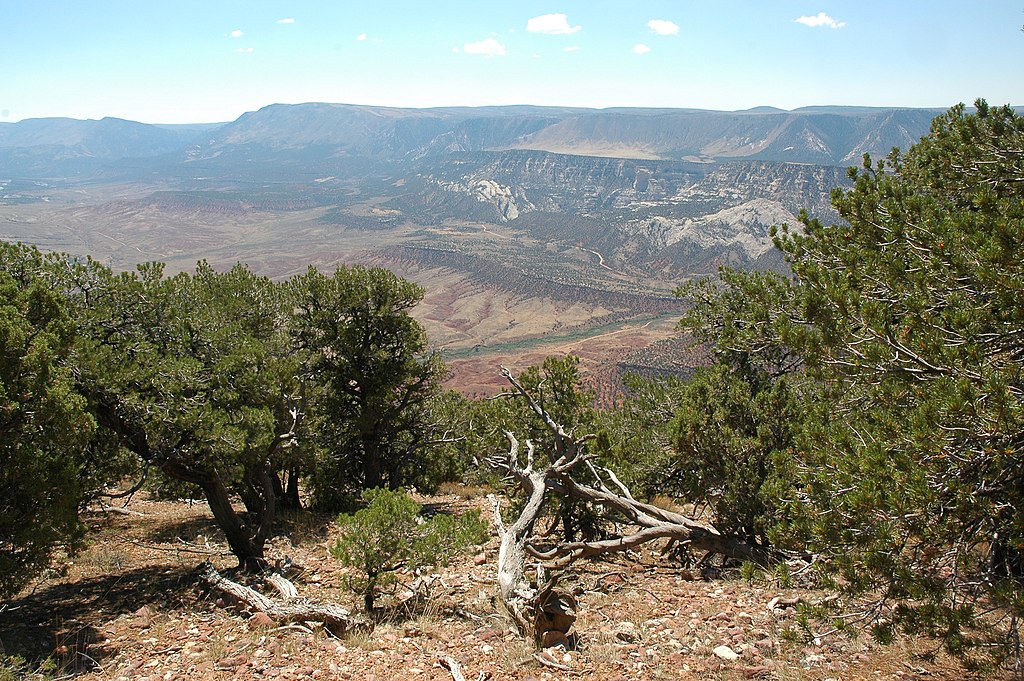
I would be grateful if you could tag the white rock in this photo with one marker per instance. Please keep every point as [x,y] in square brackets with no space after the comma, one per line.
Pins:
[726,653]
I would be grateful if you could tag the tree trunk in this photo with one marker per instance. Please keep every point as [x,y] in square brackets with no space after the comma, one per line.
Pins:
[275,478]
[246,539]
[373,470]
[243,544]
[513,587]
[368,600]
[291,499]
[543,610]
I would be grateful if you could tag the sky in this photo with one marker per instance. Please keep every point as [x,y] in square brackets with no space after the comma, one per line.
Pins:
[187,61]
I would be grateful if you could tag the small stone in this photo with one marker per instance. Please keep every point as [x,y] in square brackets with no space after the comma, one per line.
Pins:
[756,672]
[480,558]
[626,632]
[145,615]
[488,633]
[813,660]
[260,620]
[236,661]
[726,653]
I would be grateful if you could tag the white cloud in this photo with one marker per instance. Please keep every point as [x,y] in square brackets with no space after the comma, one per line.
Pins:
[640,48]
[488,47]
[821,20]
[574,48]
[663,26]
[246,50]
[289,20]
[552,24]
[237,33]
[361,37]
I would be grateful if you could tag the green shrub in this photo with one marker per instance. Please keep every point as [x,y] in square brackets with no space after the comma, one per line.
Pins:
[731,450]
[389,535]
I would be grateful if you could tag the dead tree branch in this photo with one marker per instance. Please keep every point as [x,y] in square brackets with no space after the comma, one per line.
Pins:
[546,612]
[337,619]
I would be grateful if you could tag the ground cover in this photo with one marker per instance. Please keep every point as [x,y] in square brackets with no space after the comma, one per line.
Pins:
[132,606]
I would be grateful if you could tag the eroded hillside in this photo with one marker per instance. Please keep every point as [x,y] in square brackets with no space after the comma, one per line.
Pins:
[532,229]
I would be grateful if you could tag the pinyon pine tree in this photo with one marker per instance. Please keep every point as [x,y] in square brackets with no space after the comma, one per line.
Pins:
[902,332]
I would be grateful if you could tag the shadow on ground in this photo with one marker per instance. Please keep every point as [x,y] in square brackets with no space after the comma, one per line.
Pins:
[65,622]
[189,529]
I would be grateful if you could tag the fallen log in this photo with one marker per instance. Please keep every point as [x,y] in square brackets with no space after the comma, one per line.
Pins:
[334,617]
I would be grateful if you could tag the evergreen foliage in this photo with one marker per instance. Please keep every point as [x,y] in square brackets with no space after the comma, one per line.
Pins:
[206,378]
[44,424]
[733,443]
[914,318]
[389,535]
[194,374]
[902,330]
[378,378]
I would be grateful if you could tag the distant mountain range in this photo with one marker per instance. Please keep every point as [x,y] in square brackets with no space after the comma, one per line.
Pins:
[62,147]
[677,190]
[530,227]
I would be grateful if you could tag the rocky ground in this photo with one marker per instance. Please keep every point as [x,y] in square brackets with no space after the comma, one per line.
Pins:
[132,606]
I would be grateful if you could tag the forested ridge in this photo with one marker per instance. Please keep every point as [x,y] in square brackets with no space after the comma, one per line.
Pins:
[860,418]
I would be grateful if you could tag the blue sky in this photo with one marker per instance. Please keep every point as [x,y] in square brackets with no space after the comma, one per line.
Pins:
[186,61]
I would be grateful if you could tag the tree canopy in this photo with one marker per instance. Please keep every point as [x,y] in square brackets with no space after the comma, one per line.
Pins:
[205,377]
[371,358]
[903,328]
[44,424]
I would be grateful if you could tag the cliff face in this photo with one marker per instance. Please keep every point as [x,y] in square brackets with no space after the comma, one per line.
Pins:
[636,212]
[830,135]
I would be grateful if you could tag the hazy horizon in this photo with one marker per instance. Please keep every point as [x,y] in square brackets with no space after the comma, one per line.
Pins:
[490,106]
[199,62]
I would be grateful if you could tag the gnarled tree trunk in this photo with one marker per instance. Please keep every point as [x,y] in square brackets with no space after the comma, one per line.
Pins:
[542,610]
